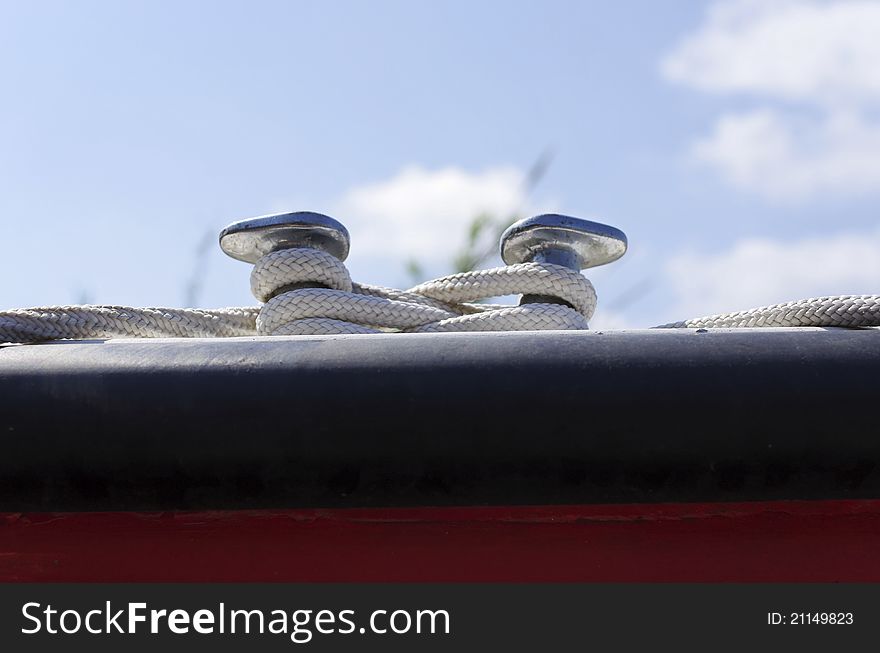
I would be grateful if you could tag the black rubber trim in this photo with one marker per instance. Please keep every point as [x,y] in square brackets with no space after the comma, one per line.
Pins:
[440,419]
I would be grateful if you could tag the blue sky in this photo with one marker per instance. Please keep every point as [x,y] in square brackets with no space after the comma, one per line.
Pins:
[736,142]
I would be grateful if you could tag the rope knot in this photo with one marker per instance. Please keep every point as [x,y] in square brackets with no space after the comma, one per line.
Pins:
[308,291]
[279,270]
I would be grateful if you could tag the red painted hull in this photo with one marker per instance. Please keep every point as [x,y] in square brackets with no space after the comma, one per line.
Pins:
[747,542]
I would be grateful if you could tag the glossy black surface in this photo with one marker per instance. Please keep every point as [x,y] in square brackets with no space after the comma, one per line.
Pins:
[440,419]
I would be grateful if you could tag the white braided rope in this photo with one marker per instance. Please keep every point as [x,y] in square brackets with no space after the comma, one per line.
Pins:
[278,269]
[285,281]
[346,306]
[78,322]
[840,311]
[438,305]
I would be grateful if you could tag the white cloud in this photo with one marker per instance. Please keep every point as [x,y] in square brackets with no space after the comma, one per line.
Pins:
[796,50]
[824,57]
[757,272]
[785,157]
[423,214]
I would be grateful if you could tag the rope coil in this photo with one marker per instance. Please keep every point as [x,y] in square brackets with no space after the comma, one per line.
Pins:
[443,304]
[309,292]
